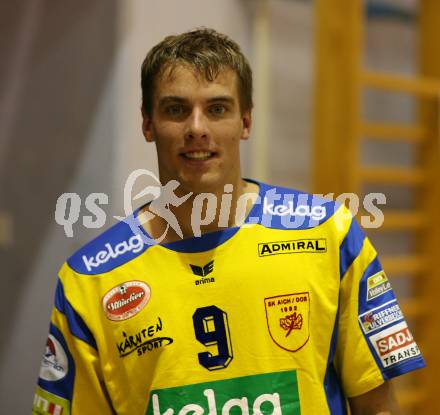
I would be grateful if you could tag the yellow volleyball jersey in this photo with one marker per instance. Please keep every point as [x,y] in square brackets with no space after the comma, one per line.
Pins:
[290,313]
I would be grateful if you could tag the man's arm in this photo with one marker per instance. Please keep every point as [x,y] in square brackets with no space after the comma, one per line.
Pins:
[378,401]
[71,376]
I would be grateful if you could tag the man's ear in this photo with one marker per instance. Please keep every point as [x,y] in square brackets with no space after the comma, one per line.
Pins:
[246,118]
[147,127]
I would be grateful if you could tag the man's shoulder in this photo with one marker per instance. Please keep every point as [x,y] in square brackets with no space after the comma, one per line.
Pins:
[317,198]
[285,207]
[114,247]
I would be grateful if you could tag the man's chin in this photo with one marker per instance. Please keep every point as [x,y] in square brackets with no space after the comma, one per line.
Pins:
[204,184]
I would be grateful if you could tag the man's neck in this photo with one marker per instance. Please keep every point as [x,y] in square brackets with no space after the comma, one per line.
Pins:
[202,213]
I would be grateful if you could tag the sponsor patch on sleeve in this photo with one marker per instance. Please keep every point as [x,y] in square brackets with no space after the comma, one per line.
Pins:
[377,285]
[55,364]
[46,403]
[394,345]
[57,371]
[380,317]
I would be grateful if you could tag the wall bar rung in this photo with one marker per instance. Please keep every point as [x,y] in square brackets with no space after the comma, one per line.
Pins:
[417,86]
[397,220]
[403,264]
[392,132]
[402,220]
[393,175]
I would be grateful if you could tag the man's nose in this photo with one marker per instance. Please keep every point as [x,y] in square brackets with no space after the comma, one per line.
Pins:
[197,126]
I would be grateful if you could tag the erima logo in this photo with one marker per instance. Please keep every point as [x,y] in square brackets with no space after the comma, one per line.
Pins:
[203,271]
[134,244]
[315,212]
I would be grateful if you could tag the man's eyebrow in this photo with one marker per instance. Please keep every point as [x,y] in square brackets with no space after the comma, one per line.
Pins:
[222,98]
[170,98]
[177,99]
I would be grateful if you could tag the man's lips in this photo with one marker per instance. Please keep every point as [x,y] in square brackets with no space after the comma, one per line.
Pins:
[198,155]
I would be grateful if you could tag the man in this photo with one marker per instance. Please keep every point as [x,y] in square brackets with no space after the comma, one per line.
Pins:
[277,304]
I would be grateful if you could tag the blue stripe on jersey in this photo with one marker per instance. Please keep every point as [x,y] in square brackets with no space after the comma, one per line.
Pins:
[205,242]
[351,247]
[275,207]
[373,268]
[64,386]
[335,397]
[405,367]
[364,305]
[116,246]
[76,324]
[283,208]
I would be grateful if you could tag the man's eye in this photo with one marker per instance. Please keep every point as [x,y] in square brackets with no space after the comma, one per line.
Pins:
[175,110]
[217,109]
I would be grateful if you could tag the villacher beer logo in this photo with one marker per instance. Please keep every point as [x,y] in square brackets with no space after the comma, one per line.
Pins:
[126,300]
[288,320]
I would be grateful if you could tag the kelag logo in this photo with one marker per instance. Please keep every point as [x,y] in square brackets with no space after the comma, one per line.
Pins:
[315,212]
[266,394]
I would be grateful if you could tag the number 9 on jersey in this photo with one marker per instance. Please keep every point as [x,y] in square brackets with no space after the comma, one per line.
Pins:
[211,329]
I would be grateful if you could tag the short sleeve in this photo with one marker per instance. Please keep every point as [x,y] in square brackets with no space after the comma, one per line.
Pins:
[374,342]
[70,378]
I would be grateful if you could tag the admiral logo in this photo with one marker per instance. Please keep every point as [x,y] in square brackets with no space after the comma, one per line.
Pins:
[203,272]
[292,247]
[315,212]
[377,285]
[288,320]
[395,345]
[46,403]
[134,244]
[380,317]
[55,364]
[126,300]
[143,341]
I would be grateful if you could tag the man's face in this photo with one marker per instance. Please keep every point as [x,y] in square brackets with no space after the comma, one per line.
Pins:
[197,126]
